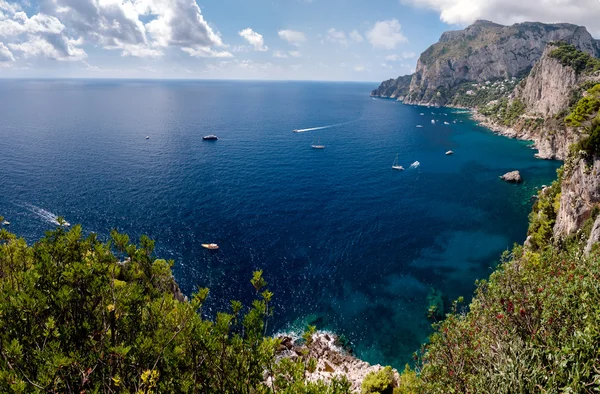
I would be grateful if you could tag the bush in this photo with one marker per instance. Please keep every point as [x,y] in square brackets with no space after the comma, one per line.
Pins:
[569,55]
[381,382]
[75,318]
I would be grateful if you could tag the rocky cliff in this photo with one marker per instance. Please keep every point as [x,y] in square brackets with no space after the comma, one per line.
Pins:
[393,88]
[486,51]
[545,96]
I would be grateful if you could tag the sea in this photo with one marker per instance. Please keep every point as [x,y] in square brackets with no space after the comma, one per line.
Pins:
[345,242]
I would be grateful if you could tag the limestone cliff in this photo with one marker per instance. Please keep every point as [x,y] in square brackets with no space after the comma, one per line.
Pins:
[546,95]
[487,51]
[393,88]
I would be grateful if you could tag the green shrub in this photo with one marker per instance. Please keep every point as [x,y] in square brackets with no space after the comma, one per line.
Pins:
[569,55]
[381,382]
[74,317]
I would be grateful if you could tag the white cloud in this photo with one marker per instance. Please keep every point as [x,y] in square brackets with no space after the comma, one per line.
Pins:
[280,54]
[143,28]
[356,36]
[359,68]
[295,53]
[462,12]
[41,35]
[337,37]
[206,52]
[254,39]
[403,56]
[5,54]
[296,38]
[385,65]
[386,34]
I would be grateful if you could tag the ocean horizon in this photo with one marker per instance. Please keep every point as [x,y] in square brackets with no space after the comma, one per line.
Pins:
[346,243]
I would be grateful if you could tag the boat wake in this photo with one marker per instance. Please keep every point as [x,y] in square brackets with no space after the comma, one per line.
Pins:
[323,127]
[47,216]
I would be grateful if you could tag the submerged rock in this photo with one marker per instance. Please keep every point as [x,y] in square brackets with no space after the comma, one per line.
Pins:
[512,177]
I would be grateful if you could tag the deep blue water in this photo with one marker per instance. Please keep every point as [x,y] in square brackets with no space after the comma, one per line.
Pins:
[345,242]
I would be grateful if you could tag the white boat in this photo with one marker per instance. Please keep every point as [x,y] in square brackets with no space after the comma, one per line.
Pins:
[446,123]
[416,164]
[422,114]
[66,224]
[210,137]
[397,166]
[317,145]
[6,223]
[147,137]
[419,126]
[297,131]
[449,153]
[210,246]
[432,121]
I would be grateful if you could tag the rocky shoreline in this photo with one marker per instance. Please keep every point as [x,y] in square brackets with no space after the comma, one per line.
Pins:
[333,359]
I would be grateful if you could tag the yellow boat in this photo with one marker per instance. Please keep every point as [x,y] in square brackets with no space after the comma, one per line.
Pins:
[210,246]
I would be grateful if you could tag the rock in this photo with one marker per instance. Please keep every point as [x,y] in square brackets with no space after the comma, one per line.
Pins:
[332,360]
[594,237]
[512,177]
[487,51]
[393,88]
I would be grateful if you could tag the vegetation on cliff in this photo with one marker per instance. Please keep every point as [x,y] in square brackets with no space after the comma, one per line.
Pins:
[570,56]
[74,317]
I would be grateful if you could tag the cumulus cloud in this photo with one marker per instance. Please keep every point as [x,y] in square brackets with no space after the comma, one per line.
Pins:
[293,37]
[356,36]
[462,12]
[5,54]
[41,35]
[295,53]
[359,68]
[403,56]
[143,28]
[280,54]
[254,39]
[386,34]
[337,37]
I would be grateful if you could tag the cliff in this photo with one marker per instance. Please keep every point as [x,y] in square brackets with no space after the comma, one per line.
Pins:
[543,98]
[486,51]
[393,88]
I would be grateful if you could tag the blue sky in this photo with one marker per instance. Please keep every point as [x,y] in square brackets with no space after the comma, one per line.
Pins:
[348,40]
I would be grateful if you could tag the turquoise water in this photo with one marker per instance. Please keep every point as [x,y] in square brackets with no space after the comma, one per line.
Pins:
[346,243]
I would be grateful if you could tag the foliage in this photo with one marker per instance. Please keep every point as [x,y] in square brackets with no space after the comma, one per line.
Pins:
[569,55]
[543,216]
[75,318]
[381,382]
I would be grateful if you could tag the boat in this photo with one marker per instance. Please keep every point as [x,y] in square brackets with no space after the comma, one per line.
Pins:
[397,166]
[449,153]
[210,246]
[419,126]
[297,131]
[432,121]
[147,137]
[6,223]
[210,137]
[416,164]
[66,224]
[446,123]
[317,145]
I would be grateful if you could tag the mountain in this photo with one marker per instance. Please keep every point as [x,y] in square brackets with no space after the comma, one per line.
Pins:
[485,51]
[394,88]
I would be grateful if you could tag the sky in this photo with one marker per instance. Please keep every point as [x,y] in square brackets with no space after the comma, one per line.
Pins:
[333,40]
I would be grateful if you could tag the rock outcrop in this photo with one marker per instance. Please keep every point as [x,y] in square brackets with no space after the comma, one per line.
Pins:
[580,194]
[512,177]
[332,359]
[393,88]
[486,51]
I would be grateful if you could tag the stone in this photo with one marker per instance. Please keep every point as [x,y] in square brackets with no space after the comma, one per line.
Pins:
[512,177]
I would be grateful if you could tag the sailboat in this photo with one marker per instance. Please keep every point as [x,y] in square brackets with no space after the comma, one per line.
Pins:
[317,145]
[396,166]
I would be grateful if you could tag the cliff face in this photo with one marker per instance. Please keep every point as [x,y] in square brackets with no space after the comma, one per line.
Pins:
[393,88]
[580,194]
[487,51]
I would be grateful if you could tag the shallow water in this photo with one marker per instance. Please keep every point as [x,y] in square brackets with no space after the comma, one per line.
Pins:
[345,242]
